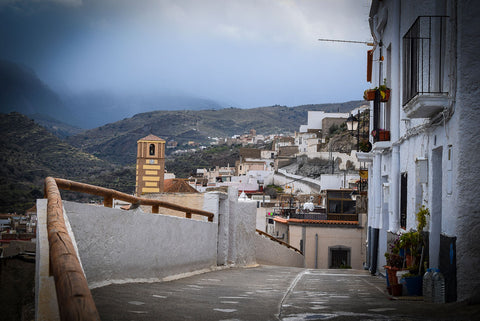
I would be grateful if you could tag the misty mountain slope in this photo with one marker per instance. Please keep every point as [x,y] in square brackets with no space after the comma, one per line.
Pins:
[22,91]
[100,107]
[56,127]
[29,154]
[116,142]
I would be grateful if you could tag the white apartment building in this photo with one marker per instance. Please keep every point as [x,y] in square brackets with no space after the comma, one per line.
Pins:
[428,53]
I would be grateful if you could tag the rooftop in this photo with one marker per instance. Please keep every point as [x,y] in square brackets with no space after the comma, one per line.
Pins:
[151,138]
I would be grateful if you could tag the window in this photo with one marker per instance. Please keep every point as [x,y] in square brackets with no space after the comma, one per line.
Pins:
[424,57]
[340,205]
[339,257]
[152,150]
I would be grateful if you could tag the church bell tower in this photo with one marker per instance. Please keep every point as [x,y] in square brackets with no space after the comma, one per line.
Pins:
[150,165]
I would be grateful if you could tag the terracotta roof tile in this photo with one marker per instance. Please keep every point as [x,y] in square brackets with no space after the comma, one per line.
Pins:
[177,185]
[152,138]
[324,222]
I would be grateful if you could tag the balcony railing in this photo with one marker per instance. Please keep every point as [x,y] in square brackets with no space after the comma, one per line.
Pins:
[424,62]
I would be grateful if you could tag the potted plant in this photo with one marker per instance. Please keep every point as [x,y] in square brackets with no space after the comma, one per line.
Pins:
[394,263]
[381,135]
[365,146]
[369,94]
[413,243]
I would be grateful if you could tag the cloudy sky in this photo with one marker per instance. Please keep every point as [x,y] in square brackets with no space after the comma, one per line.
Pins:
[243,53]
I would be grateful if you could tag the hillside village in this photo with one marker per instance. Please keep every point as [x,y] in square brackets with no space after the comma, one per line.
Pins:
[381,193]
[311,179]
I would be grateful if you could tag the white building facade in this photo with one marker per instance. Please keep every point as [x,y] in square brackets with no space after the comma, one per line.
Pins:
[428,53]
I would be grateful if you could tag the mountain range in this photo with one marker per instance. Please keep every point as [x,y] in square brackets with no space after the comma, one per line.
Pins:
[50,145]
[29,153]
[116,142]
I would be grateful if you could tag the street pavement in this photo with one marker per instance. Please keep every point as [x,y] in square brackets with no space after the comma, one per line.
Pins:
[270,293]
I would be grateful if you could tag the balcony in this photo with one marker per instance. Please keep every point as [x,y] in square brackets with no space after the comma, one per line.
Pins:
[424,77]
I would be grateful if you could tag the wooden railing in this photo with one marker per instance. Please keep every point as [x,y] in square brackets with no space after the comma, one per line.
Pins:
[74,298]
[109,195]
[278,241]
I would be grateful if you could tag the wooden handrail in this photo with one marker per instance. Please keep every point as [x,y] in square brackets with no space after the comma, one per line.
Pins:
[110,194]
[74,298]
[278,241]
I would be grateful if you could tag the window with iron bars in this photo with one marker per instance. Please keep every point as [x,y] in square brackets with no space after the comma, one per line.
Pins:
[424,57]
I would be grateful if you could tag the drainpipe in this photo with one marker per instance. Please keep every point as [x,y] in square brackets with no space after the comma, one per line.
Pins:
[395,122]
[376,211]
[316,251]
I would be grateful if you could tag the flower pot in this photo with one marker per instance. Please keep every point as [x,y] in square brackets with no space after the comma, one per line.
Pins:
[409,259]
[369,94]
[397,289]
[413,285]
[384,135]
[389,289]
[391,275]
[387,96]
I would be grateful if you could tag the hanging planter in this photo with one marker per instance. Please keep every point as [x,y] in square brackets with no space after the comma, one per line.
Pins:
[369,94]
[381,135]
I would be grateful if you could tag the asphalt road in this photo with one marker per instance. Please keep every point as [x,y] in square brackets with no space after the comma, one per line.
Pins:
[270,293]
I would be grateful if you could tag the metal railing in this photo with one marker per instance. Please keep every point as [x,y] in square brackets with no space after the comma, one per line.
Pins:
[309,216]
[424,57]
[278,241]
[342,217]
[75,300]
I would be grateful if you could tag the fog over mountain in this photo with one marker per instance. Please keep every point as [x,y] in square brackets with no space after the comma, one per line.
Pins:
[177,54]
[95,108]
[22,91]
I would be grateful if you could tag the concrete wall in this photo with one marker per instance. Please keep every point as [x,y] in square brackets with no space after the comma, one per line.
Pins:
[352,238]
[466,212]
[192,200]
[273,253]
[304,184]
[315,118]
[120,246]
[261,218]
[337,155]
[241,230]
[46,306]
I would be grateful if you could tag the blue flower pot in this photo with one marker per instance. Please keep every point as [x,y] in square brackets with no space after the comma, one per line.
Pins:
[413,285]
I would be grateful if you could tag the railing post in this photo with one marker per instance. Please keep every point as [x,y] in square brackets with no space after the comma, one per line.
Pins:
[108,201]
[188,215]
[155,209]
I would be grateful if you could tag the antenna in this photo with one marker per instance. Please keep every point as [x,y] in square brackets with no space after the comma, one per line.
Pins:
[348,41]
